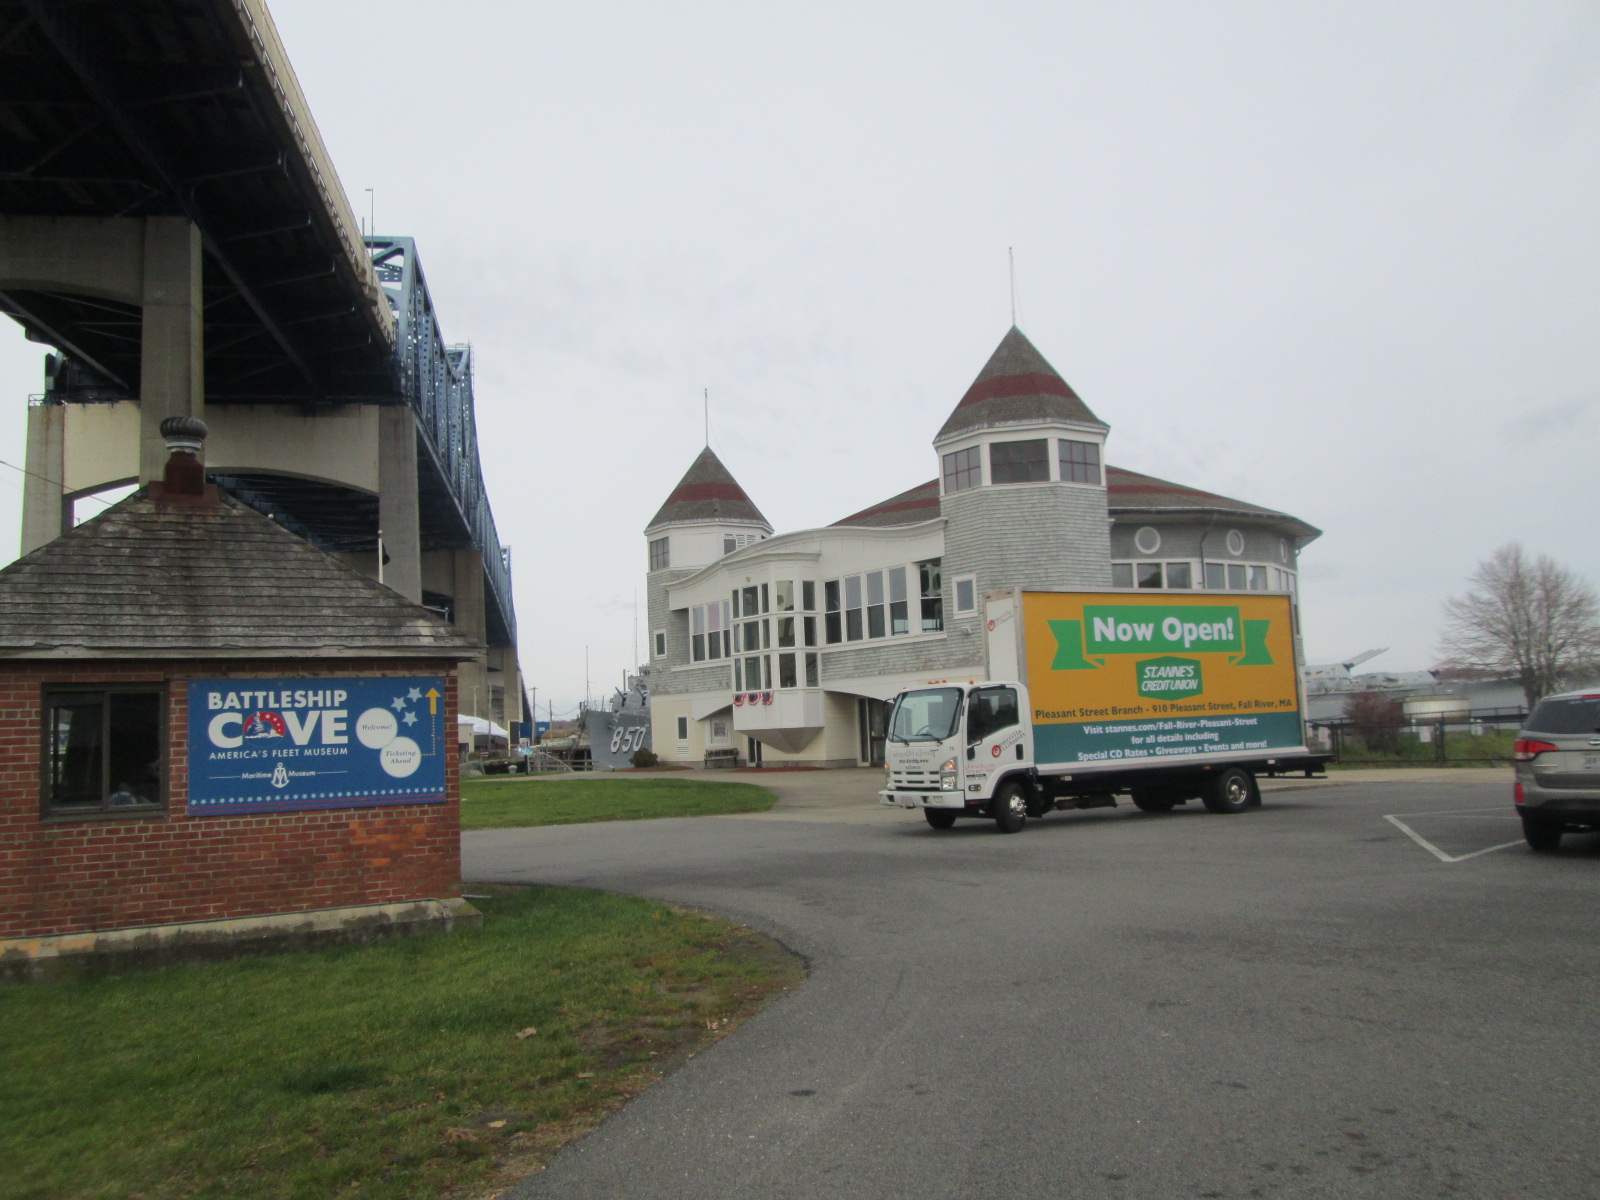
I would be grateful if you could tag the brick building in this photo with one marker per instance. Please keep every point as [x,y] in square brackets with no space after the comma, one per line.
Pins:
[787,648]
[213,730]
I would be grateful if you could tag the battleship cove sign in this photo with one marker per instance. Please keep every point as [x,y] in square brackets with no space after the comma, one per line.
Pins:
[281,745]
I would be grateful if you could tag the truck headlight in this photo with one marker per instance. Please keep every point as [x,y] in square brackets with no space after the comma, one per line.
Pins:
[947,775]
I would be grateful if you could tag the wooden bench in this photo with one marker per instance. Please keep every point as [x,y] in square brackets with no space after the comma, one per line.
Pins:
[722,758]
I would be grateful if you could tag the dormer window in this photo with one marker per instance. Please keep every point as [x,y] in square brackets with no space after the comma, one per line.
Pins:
[1020,462]
[963,469]
[658,554]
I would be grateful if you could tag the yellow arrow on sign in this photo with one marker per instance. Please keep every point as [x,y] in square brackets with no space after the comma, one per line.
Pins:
[433,701]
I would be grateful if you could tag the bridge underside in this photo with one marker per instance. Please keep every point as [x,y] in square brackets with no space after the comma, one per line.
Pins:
[142,108]
[171,222]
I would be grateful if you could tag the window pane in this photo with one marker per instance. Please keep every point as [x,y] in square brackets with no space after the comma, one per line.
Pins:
[1019,462]
[783,593]
[1149,575]
[897,583]
[1258,579]
[752,674]
[899,617]
[735,602]
[1121,574]
[1216,575]
[683,729]
[830,595]
[698,647]
[875,587]
[852,591]
[875,627]
[852,625]
[713,645]
[1178,575]
[833,628]
[751,601]
[729,545]
[966,600]
[738,675]
[785,631]
[811,630]
[76,751]
[808,596]
[764,598]
[786,672]
[1236,577]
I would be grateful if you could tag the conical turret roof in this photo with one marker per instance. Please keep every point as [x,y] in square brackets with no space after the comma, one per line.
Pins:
[707,492]
[1015,385]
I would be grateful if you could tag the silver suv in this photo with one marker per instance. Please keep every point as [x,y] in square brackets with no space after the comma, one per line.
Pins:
[1558,768]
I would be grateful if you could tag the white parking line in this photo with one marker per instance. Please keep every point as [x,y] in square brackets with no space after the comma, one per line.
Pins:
[1434,850]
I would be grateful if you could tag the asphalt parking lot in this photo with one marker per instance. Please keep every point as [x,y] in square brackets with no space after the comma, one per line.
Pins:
[1362,989]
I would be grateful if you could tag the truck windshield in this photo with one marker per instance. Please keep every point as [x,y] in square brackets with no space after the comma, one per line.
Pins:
[925,716]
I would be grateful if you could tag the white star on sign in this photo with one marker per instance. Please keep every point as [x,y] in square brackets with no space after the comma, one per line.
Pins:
[416,693]
[399,702]
[410,718]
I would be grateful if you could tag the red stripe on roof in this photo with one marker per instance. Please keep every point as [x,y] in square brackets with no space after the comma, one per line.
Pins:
[707,491]
[1003,387]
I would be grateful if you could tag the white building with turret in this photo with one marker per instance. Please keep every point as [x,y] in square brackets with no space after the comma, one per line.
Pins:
[786,649]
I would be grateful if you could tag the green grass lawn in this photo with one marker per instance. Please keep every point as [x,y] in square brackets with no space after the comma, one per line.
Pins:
[430,1066]
[509,801]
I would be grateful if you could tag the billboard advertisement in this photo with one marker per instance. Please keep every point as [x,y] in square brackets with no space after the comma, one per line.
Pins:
[281,745]
[1117,676]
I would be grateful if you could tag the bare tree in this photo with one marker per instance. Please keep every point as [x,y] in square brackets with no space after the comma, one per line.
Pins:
[1526,617]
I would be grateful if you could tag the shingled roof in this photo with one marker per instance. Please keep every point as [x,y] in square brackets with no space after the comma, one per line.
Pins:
[920,503]
[1017,384]
[203,577]
[1131,493]
[1127,492]
[707,492]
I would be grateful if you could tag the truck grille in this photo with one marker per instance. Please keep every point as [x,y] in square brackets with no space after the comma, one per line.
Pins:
[915,779]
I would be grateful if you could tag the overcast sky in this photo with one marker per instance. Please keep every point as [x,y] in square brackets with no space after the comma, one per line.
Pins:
[1338,259]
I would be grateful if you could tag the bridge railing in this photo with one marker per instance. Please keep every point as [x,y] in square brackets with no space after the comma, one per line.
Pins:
[437,382]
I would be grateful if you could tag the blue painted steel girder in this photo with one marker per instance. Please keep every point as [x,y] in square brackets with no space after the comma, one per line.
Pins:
[436,380]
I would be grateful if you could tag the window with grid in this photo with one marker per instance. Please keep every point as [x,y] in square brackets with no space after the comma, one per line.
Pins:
[1080,462]
[1019,462]
[103,751]
[963,469]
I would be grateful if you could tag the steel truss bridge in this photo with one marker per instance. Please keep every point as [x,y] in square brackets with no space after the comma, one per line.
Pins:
[114,109]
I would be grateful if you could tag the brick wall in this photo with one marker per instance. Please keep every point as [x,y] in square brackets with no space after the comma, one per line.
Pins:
[63,875]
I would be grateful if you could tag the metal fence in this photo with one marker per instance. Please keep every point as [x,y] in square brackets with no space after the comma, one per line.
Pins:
[1431,741]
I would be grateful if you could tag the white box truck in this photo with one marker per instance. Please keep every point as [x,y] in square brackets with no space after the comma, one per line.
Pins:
[1162,697]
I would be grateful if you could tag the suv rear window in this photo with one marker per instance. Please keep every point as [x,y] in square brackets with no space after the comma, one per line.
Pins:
[1578,714]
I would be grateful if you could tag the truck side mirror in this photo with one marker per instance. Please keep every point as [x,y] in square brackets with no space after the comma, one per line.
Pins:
[972,753]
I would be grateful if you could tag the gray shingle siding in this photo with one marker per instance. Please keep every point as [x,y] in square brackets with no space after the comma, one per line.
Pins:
[895,656]
[1032,536]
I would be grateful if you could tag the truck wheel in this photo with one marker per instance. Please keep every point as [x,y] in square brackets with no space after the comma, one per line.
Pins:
[939,818]
[1153,802]
[1010,808]
[1541,835]
[1229,791]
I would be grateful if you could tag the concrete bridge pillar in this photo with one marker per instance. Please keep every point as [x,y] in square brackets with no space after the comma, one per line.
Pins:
[153,263]
[172,349]
[45,512]
[398,518]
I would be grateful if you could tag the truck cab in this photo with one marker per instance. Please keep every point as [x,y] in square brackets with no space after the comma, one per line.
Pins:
[951,747]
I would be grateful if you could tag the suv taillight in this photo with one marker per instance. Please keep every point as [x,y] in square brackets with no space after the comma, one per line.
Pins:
[1526,750]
